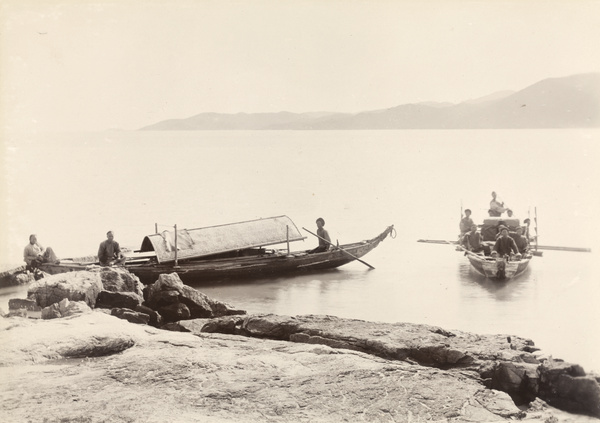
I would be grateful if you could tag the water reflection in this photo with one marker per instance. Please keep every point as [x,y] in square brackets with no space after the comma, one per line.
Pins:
[466,272]
[305,293]
[500,290]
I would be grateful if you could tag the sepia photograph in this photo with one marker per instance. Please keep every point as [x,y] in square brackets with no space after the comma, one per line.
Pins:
[299,211]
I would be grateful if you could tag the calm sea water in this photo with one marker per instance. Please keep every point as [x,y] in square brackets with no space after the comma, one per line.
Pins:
[70,189]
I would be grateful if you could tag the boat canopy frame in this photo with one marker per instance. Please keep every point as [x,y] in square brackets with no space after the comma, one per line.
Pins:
[184,244]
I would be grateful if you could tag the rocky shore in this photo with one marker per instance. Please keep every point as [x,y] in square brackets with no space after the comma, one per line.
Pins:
[98,346]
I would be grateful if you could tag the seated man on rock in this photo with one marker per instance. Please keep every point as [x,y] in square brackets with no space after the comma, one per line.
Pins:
[109,252]
[34,254]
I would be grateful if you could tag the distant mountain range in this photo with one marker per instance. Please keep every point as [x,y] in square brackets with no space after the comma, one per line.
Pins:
[568,102]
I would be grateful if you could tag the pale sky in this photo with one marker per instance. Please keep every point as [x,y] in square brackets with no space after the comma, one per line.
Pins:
[84,65]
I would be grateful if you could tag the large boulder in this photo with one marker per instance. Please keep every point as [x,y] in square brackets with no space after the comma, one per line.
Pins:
[227,325]
[119,288]
[156,319]
[566,386]
[24,278]
[20,303]
[65,308]
[519,380]
[174,312]
[21,312]
[16,276]
[75,286]
[130,315]
[108,299]
[169,290]
[93,334]
[118,279]
[51,312]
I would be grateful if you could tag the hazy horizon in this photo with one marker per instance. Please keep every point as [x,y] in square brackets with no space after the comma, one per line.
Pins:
[89,66]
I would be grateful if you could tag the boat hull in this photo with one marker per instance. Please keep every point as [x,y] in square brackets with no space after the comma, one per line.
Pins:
[499,269]
[269,263]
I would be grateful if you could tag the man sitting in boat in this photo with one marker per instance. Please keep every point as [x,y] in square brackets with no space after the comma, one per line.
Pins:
[505,245]
[466,222]
[324,240]
[473,241]
[109,252]
[34,254]
[496,207]
[520,240]
[501,225]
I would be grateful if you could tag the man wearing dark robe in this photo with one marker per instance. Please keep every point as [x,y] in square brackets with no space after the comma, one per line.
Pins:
[505,245]
[109,252]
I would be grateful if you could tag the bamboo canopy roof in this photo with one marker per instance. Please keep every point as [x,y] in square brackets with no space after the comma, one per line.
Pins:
[200,242]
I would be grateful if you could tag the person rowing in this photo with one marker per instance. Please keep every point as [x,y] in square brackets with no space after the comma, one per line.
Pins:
[473,242]
[505,245]
[324,240]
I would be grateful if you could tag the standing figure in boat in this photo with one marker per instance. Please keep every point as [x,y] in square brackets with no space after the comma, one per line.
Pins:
[505,245]
[466,223]
[496,207]
[324,240]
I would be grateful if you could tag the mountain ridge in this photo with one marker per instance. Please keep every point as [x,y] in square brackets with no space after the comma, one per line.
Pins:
[564,102]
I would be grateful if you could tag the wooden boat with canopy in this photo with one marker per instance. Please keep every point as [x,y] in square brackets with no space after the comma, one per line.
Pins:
[500,268]
[503,268]
[231,251]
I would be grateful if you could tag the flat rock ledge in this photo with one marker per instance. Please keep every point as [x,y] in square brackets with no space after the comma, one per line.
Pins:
[95,367]
[191,358]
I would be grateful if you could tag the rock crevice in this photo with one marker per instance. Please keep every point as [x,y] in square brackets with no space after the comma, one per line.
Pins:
[503,363]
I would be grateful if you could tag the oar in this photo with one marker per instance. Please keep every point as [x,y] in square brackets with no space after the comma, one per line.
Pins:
[577,249]
[534,252]
[351,255]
